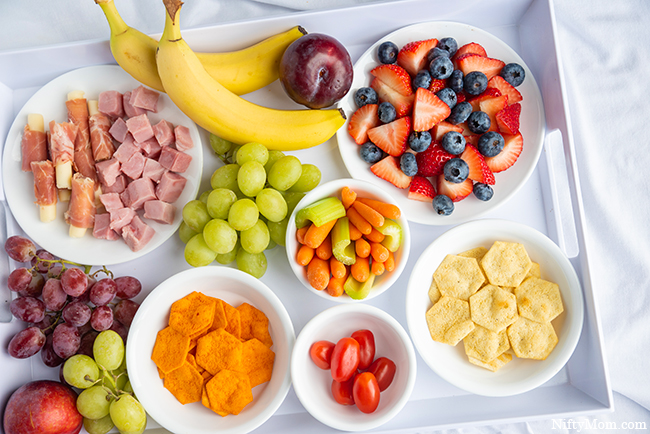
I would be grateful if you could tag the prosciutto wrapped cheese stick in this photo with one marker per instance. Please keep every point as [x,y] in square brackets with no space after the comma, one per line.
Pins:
[62,138]
[78,115]
[34,143]
[45,189]
[81,211]
[100,139]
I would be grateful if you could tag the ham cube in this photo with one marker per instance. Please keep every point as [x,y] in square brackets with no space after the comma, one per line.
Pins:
[140,127]
[164,132]
[108,171]
[126,150]
[119,130]
[150,148]
[134,166]
[170,187]
[111,201]
[137,193]
[102,229]
[111,104]
[174,160]
[144,98]
[153,170]
[137,234]
[159,211]
[118,187]
[129,110]
[120,218]
[183,138]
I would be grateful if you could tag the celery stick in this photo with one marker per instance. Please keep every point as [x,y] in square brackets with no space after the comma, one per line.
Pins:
[342,247]
[357,290]
[320,212]
[392,235]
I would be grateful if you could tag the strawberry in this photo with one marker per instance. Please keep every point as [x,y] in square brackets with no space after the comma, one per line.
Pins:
[455,192]
[413,56]
[506,158]
[474,62]
[490,92]
[361,121]
[388,169]
[498,82]
[492,106]
[391,137]
[472,139]
[478,169]
[421,189]
[508,119]
[395,77]
[443,128]
[437,84]
[403,104]
[473,48]
[428,110]
[431,161]
[461,97]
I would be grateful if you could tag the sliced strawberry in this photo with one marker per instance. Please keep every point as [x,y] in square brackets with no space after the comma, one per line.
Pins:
[443,128]
[437,84]
[455,192]
[428,110]
[474,62]
[413,56]
[461,97]
[361,121]
[490,92]
[498,82]
[478,169]
[472,48]
[391,137]
[421,189]
[492,106]
[395,77]
[508,119]
[403,104]
[431,161]
[388,169]
[472,139]
[507,157]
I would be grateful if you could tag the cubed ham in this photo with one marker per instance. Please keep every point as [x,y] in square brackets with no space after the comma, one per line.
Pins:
[110,103]
[134,166]
[111,201]
[144,98]
[140,127]
[138,192]
[125,151]
[118,187]
[120,218]
[164,132]
[183,138]
[153,170]
[129,110]
[150,148]
[108,171]
[170,187]
[159,211]
[102,228]
[119,130]
[137,234]
[174,160]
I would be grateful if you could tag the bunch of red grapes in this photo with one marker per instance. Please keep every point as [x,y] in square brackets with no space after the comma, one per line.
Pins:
[65,304]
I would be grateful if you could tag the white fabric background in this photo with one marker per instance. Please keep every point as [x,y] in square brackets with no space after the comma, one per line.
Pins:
[604,47]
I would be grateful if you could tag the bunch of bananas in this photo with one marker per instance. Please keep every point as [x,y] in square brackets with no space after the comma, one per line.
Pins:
[206,86]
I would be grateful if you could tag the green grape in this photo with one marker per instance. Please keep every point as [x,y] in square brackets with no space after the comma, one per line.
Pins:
[219,202]
[285,172]
[128,415]
[99,426]
[252,152]
[278,231]
[243,214]
[219,236]
[127,387]
[233,153]
[292,199]
[80,371]
[108,350]
[251,178]
[204,196]
[93,402]
[220,146]
[271,204]
[255,239]
[185,232]
[251,263]
[229,258]
[271,245]
[273,157]
[225,177]
[195,214]
[197,252]
[309,179]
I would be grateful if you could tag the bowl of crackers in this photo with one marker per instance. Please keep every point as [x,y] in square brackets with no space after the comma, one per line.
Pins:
[209,350]
[494,307]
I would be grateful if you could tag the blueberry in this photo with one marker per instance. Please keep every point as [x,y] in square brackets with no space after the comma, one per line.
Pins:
[422,79]
[513,73]
[453,142]
[460,113]
[370,153]
[441,67]
[478,122]
[475,83]
[455,170]
[365,95]
[449,45]
[387,52]
[386,112]
[455,81]
[490,144]
[435,52]
[408,164]
[482,191]
[447,96]
[419,141]
[443,205]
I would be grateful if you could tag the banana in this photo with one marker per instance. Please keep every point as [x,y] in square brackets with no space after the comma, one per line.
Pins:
[208,103]
[241,71]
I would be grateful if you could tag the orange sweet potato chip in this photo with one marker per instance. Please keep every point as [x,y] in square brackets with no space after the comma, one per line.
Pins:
[229,392]
[185,383]
[192,314]
[170,349]
[219,350]
[219,319]
[257,360]
[233,320]
[254,324]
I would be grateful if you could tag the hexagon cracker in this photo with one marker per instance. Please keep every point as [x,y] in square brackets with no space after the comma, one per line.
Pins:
[539,300]
[493,308]
[506,263]
[449,320]
[458,276]
[532,340]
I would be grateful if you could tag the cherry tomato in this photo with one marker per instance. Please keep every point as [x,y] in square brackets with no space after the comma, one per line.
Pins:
[321,353]
[365,392]
[384,370]
[366,347]
[342,392]
[345,359]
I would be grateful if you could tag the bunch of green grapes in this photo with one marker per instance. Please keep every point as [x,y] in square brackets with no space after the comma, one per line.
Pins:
[248,207]
[107,399]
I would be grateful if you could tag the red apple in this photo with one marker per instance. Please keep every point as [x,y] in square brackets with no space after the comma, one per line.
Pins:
[316,70]
[42,407]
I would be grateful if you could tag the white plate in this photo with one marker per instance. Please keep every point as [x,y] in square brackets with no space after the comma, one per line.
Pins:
[234,287]
[507,182]
[450,363]
[19,186]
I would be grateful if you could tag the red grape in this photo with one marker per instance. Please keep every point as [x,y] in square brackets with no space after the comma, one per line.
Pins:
[49,357]
[74,281]
[46,324]
[77,313]
[87,342]
[128,287]
[65,340]
[125,311]
[19,279]
[28,309]
[103,292]
[55,271]
[121,330]
[53,295]
[43,266]
[19,248]
[26,343]
[101,318]
[35,287]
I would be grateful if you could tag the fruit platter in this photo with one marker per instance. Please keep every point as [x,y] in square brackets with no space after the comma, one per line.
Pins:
[254,210]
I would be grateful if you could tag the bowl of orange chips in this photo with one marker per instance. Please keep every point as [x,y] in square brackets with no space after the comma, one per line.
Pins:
[209,350]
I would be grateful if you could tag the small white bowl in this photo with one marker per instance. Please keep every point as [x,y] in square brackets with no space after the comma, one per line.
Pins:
[450,363]
[312,384]
[234,287]
[363,189]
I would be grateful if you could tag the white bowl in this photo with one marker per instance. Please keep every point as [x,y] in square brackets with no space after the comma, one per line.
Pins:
[312,384]
[450,363]
[234,287]
[363,189]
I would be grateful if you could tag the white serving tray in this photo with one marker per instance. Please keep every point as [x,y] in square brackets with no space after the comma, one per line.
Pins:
[550,202]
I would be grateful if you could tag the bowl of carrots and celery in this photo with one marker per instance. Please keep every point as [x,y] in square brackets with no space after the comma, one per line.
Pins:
[347,240]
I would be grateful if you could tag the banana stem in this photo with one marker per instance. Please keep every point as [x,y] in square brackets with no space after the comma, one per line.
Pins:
[115,21]
[172,29]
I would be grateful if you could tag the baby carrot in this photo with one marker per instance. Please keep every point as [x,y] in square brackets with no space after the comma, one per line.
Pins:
[390,262]
[304,255]
[379,252]
[371,215]
[375,236]
[318,273]
[339,270]
[300,234]
[362,248]
[377,268]
[348,196]
[355,233]
[335,286]
[358,220]
[388,210]
[360,269]
[324,251]
[316,234]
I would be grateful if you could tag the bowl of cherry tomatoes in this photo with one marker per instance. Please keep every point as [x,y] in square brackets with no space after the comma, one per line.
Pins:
[353,367]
